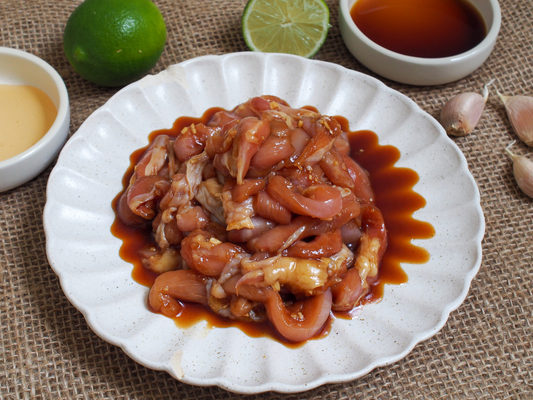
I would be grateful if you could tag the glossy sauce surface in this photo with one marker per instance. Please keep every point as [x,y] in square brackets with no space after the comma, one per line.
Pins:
[26,114]
[420,28]
[395,197]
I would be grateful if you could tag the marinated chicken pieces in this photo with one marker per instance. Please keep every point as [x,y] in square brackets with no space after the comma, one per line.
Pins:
[258,214]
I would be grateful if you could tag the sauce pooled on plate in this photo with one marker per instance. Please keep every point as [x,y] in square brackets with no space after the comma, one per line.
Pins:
[296,265]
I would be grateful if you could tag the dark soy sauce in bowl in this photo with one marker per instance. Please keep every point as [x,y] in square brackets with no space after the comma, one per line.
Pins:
[420,28]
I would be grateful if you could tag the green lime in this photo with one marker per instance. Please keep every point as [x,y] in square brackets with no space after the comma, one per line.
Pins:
[114,42]
[286,26]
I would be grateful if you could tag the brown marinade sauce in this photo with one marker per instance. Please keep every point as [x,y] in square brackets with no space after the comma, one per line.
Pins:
[393,188]
[421,28]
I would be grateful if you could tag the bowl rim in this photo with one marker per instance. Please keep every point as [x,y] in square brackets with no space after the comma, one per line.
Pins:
[486,43]
[62,110]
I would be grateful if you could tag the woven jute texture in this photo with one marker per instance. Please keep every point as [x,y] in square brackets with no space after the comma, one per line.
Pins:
[484,351]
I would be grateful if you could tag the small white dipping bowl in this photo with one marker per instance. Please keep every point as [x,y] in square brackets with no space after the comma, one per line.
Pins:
[20,68]
[417,70]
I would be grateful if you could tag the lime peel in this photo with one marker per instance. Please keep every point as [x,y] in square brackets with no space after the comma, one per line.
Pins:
[114,42]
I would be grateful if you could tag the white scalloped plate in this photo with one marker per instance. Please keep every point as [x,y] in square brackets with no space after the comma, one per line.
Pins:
[84,253]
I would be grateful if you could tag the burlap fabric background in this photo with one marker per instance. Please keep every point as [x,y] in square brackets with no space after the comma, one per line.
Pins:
[484,351]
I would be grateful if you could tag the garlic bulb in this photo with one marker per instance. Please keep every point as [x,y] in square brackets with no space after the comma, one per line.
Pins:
[461,113]
[520,112]
[523,171]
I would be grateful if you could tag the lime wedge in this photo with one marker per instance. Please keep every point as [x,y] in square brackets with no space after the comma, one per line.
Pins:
[285,26]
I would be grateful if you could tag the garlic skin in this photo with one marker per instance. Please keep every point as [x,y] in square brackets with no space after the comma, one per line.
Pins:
[461,113]
[520,113]
[522,171]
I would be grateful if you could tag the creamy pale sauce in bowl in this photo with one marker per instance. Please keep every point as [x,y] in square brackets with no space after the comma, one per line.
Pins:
[27,113]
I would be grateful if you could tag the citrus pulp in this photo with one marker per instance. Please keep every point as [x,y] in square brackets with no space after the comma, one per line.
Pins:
[286,26]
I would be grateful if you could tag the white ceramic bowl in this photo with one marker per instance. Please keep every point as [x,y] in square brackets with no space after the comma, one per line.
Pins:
[417,70]
[20,68]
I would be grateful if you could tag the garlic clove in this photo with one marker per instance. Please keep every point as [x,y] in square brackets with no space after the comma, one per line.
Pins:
[520,113]
[461,113]
[522,171]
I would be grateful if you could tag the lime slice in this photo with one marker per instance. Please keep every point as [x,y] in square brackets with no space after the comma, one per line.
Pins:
[286,26]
